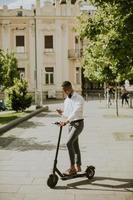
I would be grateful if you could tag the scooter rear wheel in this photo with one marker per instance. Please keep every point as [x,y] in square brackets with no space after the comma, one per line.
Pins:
[90,172]
[52,180]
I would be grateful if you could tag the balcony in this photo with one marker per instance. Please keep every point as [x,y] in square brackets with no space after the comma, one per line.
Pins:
[75,53]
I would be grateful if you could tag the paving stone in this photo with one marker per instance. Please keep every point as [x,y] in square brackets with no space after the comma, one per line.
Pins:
[11,196]
[50,196]
[16,180]
[6,188]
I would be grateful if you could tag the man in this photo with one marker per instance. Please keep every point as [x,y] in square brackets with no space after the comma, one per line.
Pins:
[124,95]
[73,113]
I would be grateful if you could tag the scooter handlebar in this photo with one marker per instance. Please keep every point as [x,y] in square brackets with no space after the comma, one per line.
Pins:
[56,123]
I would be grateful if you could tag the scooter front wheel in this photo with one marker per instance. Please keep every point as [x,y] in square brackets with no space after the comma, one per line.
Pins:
[90,172]
[52,180]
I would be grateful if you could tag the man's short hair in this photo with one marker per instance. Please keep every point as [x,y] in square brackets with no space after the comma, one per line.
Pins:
[66,84]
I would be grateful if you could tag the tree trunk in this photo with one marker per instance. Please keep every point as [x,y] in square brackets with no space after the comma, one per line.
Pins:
[116,100]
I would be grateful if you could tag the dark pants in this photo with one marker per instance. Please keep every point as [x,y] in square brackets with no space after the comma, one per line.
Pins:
[75,128]
[124,97]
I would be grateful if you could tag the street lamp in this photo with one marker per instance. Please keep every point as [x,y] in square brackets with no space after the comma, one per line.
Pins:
[35,69]
[38,93]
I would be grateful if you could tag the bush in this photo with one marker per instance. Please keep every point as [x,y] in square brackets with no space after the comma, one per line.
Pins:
[17,96]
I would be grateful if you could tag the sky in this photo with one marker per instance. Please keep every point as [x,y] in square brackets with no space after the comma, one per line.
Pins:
[28,4]
[17,3]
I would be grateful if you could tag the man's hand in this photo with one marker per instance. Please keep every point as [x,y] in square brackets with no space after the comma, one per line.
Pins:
[59,111]
[64,123]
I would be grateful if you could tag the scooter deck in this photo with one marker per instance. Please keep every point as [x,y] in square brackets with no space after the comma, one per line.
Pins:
[78,175]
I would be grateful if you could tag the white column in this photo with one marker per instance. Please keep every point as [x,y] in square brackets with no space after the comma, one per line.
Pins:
[32,54]
[64,47]
[58,50]
[62,67]
[5,35]
[40,48]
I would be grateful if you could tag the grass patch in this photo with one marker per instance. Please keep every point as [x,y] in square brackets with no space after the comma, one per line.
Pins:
[7,117]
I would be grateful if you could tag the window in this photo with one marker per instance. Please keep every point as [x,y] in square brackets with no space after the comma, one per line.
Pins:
[48,42]
[62,1]
[73,1]
[20,43]
[76,43]
[76,40]
[49,75]
[78,77]
[21,72]
[19,13]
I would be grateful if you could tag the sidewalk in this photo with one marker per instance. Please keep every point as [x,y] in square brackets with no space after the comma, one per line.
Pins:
[27,153]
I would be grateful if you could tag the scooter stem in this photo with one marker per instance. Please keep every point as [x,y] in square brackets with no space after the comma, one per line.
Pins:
[57,149]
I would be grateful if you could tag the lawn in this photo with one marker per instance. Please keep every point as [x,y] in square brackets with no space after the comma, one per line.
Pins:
[7,117]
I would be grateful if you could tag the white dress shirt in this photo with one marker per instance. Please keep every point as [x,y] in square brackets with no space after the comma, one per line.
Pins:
[73,107]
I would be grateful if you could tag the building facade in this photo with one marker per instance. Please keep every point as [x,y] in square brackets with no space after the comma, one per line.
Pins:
[46,45]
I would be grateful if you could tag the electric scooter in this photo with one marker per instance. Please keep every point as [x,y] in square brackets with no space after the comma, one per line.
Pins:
[53,178]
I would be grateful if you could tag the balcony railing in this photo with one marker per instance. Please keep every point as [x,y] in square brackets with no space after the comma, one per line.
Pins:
[75,53]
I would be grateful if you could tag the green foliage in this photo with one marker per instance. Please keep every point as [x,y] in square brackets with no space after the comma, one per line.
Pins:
[1,66]
[8,69]
[17,95]
[109,32]
[7,117]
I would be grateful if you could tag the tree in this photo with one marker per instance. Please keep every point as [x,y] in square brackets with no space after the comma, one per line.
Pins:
[17,95]
[1,67]
[109,54]
[8,69]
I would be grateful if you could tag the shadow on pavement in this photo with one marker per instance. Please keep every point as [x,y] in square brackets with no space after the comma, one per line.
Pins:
[111,116]
[20,144]
[108,183]
[48,114]
[30,124]
[52,115]
[43,114]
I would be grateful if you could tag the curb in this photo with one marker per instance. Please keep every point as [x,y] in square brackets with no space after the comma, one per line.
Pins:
[15,122]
